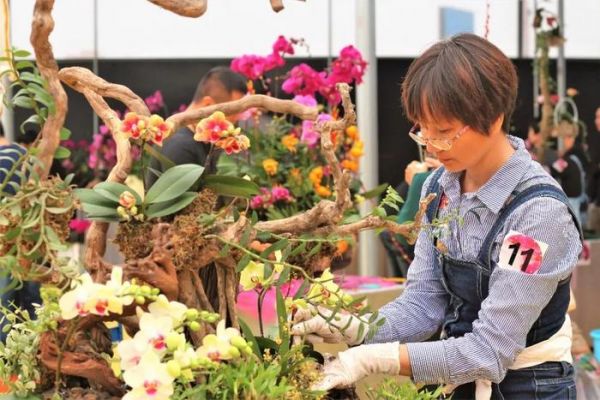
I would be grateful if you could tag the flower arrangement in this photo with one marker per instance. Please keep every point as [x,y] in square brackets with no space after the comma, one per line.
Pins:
[177,343]
[285,158]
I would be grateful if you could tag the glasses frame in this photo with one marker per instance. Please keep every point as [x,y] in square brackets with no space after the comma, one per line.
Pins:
[438,143]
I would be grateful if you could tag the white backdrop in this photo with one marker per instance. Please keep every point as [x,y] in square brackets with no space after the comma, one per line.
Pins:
[139,29]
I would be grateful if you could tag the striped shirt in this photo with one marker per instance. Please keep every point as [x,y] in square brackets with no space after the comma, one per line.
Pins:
[515,298]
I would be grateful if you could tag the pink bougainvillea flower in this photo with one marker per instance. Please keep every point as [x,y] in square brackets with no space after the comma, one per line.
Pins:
[282,45]
[306,100]
[213,128]
[251,66]
[309,135]
[303,79]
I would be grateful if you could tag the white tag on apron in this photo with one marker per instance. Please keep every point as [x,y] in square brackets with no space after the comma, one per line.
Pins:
[521,253]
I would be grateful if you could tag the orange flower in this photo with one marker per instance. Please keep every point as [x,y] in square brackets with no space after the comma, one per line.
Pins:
[290,142]
[350,165]
[213,128]
[270,166]
[352,132]
[243,141]
[316,175]
[357,149]
[159,129]
[341,247]
[322,191]
[296,175]
[134,125]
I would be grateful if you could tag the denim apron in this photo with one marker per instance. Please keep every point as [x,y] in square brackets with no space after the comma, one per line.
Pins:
[467,284]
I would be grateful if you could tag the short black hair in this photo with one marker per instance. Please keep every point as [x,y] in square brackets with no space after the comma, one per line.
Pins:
[535,125]
[465,78]
[220,78]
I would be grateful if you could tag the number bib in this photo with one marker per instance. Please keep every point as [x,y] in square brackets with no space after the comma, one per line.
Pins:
[521,253]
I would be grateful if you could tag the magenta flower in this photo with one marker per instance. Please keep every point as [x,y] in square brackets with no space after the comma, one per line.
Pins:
[309,135]
[303,79]
[155,102]
[282,45]
[79,226]
[281,194]
[251,66]
[306,100]
[256,202]
[349,66]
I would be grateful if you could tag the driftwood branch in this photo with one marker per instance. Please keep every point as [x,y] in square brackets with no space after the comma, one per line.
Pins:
[79,79]
[272,104]
[41,27]
[185,8]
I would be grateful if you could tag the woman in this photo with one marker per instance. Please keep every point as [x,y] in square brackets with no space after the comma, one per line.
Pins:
[495,283]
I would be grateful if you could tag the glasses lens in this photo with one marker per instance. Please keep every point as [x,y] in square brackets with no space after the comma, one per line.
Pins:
[440,144]
[417,138]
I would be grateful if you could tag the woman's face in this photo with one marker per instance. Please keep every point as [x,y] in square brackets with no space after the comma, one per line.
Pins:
[469,147]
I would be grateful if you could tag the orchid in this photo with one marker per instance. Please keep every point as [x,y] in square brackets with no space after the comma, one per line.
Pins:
[130,351]
[155,330]
[159,129]
[162,307]
[216,349]
[213,128]
[325,290]
[72,303]
[150,379]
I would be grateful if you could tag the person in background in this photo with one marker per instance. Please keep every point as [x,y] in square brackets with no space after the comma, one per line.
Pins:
[219,85]
[570,170]
[400,252]
[536,146]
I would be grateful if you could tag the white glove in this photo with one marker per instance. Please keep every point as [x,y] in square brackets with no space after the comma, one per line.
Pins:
[358,362]
[308,323]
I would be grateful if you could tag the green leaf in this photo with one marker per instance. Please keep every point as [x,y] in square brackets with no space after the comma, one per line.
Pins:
[284,333]
[156,210]
[280,244]
[249,336]
[284,277]
[33,119]
[90,196]
[116,189]
[231,186]
[19,65]
[23,102]
[298,249]
[31,77]
[97,211]
[315,250]
[65,133]
[165,162]
[376,192]
[62,153]
[242,263]
[13,233]
[21,53]
[55,242]
[227,165]
[302,289]
[173,183]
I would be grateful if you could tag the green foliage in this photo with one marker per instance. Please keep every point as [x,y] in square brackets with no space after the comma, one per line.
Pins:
[18,357]
[169,194]
[250,379]
[230,186]
[391,199]
[391,389]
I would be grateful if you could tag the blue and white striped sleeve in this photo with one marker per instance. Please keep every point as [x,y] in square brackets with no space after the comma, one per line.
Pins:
[514,303]
[418,313]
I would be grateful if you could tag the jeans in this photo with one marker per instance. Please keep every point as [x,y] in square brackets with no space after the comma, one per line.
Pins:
[547,381]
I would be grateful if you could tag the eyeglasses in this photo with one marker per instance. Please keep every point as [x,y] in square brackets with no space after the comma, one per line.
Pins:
[440,144]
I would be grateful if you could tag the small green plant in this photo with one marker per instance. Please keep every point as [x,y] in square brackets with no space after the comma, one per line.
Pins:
[391,389]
